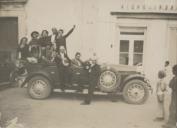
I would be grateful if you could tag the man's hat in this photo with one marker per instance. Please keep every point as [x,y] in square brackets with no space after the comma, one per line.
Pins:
[61,30]
[34,32]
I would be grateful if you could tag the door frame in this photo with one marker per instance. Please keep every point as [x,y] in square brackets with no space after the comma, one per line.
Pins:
[169,27]
[21,16]
[13,50]
[120,26]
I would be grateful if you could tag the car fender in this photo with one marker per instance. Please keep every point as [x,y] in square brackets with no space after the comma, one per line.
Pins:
[106,67]
[39,73]
[135,76]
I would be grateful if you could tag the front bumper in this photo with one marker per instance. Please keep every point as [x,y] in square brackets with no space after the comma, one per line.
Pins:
[149,85]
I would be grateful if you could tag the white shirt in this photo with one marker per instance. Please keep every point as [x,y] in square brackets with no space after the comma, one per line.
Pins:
[53,41]
[62,55]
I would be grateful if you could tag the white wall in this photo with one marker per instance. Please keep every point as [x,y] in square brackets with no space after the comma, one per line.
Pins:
[92,19]
[96,29]
[64,14]
[156,48]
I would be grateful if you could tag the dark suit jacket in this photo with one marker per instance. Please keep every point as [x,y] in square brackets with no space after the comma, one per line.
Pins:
[44,41]
[61,41]
[94,75]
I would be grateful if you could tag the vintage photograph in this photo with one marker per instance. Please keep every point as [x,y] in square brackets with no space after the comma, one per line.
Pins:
[88,63]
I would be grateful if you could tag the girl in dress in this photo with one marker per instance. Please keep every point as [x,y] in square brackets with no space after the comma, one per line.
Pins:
[160,91]
[34,44]
[23,49]
[45,43]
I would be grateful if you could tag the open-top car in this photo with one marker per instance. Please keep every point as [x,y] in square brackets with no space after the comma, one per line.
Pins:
[43,78]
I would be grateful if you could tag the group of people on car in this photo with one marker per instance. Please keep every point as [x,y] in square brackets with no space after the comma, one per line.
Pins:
[43,46]
[52,48]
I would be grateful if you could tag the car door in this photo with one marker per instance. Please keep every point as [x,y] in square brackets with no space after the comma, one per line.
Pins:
[79,75]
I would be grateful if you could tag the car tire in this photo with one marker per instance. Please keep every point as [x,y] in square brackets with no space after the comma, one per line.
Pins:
[39,87]
[109,81]
[135,92]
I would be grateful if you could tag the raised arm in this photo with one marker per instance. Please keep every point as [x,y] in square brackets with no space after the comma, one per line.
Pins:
[70,31]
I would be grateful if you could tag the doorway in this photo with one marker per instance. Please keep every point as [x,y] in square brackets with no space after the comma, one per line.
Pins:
[8,37]
[172,50]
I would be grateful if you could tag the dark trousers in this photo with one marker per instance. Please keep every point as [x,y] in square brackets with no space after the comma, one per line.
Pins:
[91,89]
[172,110]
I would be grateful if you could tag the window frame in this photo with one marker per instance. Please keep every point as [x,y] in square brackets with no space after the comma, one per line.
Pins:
[131,52]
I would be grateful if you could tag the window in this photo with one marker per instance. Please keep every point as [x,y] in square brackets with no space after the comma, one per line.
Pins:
[131,47]
[124,52]
[138,52]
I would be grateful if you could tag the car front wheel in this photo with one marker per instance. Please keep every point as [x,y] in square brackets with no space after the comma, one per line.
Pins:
[135,92]
[39,87]
[109,81]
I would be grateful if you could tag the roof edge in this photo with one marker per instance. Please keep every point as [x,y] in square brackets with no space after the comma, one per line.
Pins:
[146,15]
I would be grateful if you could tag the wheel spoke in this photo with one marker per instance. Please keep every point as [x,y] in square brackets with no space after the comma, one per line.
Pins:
[136,92]
[38,87]
[108,79]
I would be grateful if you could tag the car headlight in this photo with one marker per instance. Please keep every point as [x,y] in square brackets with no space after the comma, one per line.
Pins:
[108,67]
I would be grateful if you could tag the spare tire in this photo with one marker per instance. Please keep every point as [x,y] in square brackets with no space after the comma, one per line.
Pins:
[109,80]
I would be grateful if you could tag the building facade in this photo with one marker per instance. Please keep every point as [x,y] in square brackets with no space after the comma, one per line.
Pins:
[118,31]
[12,26]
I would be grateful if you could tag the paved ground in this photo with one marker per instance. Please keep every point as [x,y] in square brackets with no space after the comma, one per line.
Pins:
[65,111]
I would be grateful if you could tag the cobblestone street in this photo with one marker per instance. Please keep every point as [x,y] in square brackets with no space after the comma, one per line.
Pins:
[65,111]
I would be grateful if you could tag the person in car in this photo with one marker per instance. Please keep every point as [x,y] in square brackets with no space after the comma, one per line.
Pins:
[45,43]
[19,72]
[53,37]
[34,45]
[77,60]
[23,49]
[93,75]
[63,63]
[61,39]
[78,67]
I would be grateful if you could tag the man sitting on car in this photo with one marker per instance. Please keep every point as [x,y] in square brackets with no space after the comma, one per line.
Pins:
[63,63]
[78,68]
[77,60]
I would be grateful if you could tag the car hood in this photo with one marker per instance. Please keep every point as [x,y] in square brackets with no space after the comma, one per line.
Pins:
[121,67]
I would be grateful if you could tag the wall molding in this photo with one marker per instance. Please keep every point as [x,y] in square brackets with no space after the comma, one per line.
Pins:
[145,15]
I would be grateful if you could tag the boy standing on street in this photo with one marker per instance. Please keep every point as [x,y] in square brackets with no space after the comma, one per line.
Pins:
[160,91]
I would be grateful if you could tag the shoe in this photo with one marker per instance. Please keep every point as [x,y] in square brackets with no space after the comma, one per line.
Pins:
[62,90]
[159,119]
[79,91]
[85,103]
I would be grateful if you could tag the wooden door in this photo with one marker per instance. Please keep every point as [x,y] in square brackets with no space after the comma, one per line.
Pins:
[8,44]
